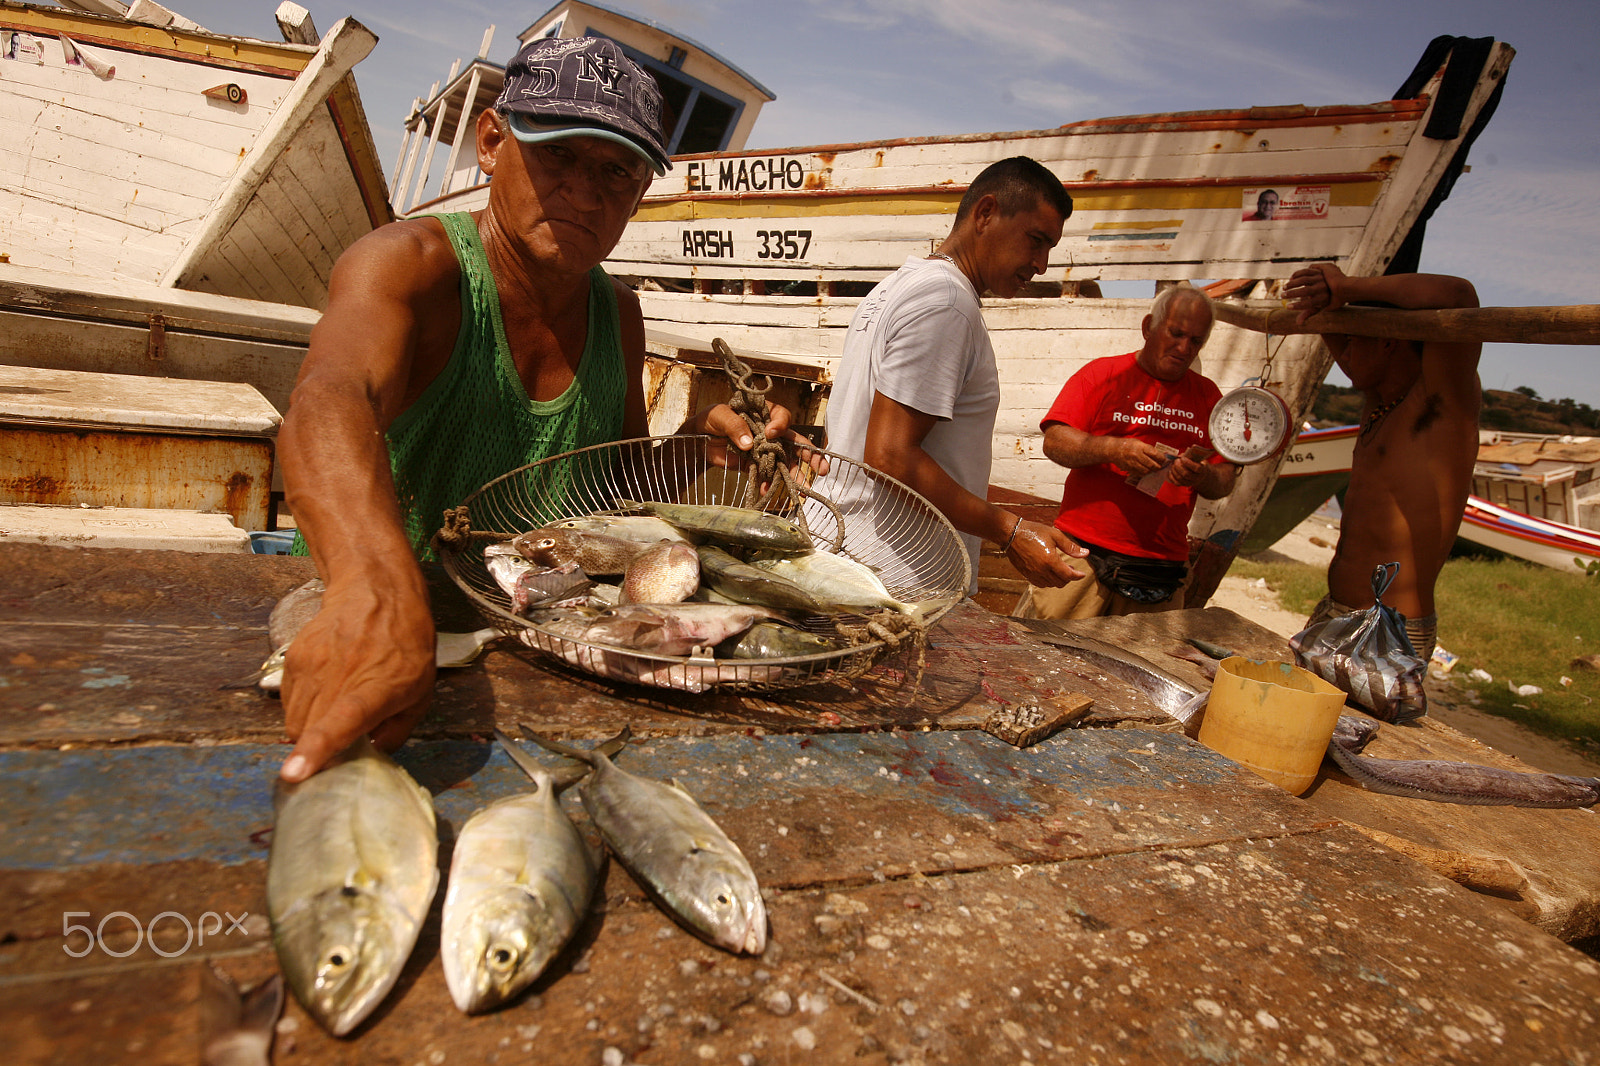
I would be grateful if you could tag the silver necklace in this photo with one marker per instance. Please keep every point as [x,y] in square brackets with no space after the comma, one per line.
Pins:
[941,255]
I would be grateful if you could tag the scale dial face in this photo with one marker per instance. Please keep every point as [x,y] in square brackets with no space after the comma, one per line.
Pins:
[1249,425]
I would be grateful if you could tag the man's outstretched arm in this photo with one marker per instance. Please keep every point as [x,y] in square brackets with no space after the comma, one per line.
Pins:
[365,663]
[895,432]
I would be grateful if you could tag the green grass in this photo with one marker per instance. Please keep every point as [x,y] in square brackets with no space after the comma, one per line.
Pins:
[1519,622]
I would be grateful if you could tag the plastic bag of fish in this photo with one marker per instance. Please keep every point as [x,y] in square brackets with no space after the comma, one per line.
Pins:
[722,586]
[1368,655]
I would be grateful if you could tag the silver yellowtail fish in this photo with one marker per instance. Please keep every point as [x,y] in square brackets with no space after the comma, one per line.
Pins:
[833,579]
[353,868]
[744,526]
[674,850]
[521,880]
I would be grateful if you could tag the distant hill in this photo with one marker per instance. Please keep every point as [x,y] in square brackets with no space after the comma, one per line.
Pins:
[1518,411]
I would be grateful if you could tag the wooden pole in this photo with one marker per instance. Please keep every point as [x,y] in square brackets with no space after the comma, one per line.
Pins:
[1578,324]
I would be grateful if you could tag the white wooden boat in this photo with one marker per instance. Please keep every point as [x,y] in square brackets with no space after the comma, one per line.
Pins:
[1553,544]
[1316,465]
[176,157]
[708,103]
[1556,478]
[772,249]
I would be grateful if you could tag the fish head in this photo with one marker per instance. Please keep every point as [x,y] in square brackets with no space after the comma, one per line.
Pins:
[342,953]
[725,900]
[506,942]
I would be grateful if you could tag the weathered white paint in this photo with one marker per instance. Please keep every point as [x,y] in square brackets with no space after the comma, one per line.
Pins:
[119,177]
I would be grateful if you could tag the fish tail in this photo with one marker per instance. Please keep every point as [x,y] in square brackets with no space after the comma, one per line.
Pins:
[235,1027]
[606,748]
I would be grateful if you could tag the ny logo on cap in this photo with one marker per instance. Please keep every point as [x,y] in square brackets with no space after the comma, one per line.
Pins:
[603,69]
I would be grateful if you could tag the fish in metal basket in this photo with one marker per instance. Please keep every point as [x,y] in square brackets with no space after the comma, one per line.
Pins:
[665,572]
[353,867]
[673,849]
[742,526]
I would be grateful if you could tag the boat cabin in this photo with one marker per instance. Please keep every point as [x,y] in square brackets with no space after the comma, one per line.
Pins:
[710,105]
[1540,475]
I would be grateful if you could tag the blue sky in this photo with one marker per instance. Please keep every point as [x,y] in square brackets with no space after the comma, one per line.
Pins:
[1524,225]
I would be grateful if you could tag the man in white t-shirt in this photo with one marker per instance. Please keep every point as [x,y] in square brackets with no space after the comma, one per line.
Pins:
[917,389]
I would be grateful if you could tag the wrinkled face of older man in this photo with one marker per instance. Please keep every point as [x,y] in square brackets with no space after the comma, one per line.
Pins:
[1172,347]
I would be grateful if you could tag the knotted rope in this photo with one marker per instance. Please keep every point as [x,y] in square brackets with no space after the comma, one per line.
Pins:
[750,403]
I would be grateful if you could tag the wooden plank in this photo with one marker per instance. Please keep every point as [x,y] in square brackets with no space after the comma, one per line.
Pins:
[1063,956]
[1511,325]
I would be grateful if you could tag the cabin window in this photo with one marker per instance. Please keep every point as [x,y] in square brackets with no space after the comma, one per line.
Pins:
[676,57]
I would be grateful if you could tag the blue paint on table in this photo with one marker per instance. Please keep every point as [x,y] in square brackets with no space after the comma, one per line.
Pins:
[161,804]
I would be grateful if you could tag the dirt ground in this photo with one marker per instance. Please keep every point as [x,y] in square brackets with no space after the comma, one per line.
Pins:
[1312,542]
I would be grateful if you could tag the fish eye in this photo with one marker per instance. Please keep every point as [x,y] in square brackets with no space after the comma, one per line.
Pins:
[338,957]
[723,898]
[350,890]
[502,958]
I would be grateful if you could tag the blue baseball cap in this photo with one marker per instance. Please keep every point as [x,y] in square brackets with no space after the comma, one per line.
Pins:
[559,87]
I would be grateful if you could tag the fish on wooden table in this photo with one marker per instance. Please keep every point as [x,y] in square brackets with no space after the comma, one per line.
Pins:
[353,868]
[300,605]
[742,526]
[236,1028]
[522,879]
[674,850]
[1454,782]
[665,572]
[743,583]
[1170,693]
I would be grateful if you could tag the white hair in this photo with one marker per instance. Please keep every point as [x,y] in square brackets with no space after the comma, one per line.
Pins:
[1170,295]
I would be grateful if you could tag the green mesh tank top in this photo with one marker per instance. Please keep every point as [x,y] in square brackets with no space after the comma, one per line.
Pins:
[475,421]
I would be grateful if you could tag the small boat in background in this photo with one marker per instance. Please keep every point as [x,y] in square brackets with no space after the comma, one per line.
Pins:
[1538,540]
[1318,466]
[1315,466]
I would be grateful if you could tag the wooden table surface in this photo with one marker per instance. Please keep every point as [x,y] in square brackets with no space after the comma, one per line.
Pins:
[1113,894]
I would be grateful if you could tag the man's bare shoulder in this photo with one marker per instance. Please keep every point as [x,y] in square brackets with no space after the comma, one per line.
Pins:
[412,257]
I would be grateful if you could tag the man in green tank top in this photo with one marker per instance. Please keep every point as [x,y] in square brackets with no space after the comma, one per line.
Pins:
[454,349]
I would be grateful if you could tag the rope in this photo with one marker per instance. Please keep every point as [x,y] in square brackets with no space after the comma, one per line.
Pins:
[457,532]
[750,403]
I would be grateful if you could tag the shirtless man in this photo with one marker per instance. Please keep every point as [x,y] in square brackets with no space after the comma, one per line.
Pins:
[1413,461]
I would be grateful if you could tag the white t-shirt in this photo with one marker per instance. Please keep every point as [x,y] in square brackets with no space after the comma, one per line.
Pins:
[919,339]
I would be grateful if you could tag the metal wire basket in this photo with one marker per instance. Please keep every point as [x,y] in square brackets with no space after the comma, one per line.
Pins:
[876,520]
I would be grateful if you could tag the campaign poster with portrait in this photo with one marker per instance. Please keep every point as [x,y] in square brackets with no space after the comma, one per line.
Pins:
[1277,203]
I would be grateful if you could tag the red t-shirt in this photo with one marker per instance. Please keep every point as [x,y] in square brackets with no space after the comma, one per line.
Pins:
[1114,397]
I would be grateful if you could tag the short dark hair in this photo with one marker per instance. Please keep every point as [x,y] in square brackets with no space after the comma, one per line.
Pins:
[1017,184]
